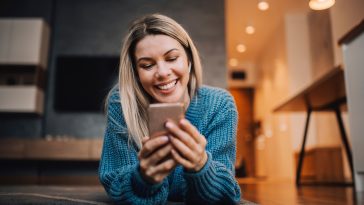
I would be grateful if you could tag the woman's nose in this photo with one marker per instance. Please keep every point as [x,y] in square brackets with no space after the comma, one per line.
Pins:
[163,70]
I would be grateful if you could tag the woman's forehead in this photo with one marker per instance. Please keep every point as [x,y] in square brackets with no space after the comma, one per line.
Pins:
[156,45]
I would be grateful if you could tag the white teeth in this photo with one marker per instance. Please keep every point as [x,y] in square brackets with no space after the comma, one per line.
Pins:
[167,86]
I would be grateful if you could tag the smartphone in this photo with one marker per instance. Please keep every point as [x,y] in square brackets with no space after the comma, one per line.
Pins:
[160,113]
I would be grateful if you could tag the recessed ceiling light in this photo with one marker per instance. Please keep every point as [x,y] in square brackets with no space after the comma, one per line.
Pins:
[263,5]
[321,4]
[249,29]
[241,48]
[233,62]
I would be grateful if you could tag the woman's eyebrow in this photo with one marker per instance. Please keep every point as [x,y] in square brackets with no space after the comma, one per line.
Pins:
[144,58]
[173,49]
[166,53]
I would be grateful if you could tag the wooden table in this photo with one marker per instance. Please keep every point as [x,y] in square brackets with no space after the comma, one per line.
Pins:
[325,94]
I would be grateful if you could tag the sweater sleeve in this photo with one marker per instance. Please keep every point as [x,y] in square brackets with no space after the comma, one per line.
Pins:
[215,183]
[119,165]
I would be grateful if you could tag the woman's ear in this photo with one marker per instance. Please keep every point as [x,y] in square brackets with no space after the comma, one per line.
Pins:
[189,67]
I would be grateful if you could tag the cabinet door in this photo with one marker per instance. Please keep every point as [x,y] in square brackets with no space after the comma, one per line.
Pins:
[21,99]
[25,42]
[5,38]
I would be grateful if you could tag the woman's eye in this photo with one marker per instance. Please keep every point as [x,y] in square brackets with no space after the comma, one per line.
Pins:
[146,66]
[171,59]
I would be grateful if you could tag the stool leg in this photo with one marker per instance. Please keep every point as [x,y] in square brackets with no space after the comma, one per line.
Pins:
[302,152]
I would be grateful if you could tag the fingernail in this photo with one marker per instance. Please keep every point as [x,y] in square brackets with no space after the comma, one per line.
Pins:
[182,121]
[168,124]
[164,138]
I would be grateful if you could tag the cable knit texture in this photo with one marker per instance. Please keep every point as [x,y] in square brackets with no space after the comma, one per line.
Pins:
[213,112]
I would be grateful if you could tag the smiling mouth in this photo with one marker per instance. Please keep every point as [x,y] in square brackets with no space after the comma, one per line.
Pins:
[167,86]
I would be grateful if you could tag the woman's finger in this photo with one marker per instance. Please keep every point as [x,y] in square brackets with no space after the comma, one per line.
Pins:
[192,130]
[145,139]
[152,145]
[159,155]
[182,135]
[180,160]
[159,177]
[164,167]
[184,150]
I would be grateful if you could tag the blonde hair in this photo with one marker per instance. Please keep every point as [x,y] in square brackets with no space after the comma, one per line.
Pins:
[134,100]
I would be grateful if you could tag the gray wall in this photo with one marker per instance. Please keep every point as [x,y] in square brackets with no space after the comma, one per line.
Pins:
[95,28]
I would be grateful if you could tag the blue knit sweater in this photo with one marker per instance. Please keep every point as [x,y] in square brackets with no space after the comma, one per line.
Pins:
[212,111]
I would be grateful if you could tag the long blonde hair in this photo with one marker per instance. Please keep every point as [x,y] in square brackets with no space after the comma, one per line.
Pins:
[134,100]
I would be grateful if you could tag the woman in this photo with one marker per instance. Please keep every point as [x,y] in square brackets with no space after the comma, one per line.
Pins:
[160,64]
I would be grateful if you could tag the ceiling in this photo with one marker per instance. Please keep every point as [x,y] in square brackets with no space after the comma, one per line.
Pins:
[239,13]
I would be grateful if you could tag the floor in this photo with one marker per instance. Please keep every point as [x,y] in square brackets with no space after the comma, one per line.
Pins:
[285,192]
[253,191]
[61,195]
[35,194]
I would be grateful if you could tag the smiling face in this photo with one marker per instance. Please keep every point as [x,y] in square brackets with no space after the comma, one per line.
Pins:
[162,67]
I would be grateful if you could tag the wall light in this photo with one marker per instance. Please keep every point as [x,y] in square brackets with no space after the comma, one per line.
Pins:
[249,29]
[263,5]
[321,4]
[233,62]
[241,48]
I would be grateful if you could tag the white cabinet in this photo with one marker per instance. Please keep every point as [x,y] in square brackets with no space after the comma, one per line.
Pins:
[23,55]
[353,48]
[21,99]
[24,42]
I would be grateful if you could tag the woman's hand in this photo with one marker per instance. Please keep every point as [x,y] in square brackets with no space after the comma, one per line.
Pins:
[154,166]
[188,145]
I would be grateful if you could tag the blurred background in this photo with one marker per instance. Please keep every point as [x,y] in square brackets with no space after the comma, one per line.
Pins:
[58,60]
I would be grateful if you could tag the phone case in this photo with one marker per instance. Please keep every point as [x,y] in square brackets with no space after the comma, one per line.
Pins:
[158,115]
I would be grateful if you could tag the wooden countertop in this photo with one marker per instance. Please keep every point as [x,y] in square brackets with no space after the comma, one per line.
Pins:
[320,95]
[352,34]
[53,149]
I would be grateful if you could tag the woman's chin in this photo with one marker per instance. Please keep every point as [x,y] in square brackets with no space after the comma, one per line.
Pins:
[168,99]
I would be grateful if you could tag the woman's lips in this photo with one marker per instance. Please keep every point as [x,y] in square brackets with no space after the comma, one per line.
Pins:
[166,88]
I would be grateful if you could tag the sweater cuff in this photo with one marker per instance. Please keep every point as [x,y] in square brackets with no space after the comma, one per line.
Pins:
[143,187]
[208,166]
